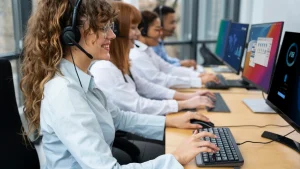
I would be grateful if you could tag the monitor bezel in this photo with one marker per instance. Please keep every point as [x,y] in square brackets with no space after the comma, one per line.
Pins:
[243,53]
[217,56]
[277,110]
[283,115]
[275,60]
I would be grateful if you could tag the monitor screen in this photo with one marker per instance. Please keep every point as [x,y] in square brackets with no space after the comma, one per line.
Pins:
[223,34]
[235,46]
[261,54]
[284,95]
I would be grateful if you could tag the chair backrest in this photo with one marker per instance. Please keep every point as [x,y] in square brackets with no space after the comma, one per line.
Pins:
[13,151]
[209,58]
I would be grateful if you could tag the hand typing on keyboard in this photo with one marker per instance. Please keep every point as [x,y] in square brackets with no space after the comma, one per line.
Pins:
[208,77]
[193,145]
[206,93]
[196,102]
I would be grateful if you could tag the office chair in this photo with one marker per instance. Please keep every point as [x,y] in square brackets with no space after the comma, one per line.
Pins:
[14,153]
[208,56]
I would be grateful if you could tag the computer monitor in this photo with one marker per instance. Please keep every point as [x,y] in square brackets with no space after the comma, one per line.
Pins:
[223,34]
[260,59]
[284,94]
[235,45]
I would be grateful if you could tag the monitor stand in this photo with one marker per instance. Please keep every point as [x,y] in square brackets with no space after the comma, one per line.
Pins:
[283,140]
[258,106]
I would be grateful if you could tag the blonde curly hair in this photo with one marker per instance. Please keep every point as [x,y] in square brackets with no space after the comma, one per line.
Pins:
[43,49]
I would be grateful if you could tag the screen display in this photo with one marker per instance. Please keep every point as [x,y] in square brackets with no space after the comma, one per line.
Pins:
[261,53]
[235,45]
[285,89]
[223,33]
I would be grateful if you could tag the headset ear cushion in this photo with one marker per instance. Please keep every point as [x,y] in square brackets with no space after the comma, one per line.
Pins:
[73,33]
[143,32]
[116,29]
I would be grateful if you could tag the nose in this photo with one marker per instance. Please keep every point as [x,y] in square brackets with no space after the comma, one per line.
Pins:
[110,35]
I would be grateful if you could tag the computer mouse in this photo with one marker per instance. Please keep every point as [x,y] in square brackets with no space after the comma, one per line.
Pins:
[204,124]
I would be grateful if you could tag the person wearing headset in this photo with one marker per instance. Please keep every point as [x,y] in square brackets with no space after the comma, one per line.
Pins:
[77,121]
[136,93]
[146,63]
[168,23]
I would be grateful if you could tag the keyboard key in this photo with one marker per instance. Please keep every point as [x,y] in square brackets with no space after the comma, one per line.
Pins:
[218,159]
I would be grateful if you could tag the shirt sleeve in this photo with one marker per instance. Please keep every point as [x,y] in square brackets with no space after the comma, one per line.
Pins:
[143,66]
[125,96]
[160,51]
[171,69]
[151,90]
[76,126]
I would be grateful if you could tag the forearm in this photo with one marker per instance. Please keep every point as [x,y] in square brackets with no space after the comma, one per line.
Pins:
[182,96]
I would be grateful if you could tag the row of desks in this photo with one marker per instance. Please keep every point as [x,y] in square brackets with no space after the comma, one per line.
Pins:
[256,156]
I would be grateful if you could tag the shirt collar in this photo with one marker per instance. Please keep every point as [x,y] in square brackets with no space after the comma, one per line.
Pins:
[68,70]
[140,45]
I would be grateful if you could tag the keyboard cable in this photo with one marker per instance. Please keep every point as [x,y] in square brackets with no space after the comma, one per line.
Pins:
[256,142]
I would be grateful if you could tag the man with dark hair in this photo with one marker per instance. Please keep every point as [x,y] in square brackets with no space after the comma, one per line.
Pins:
[168,23]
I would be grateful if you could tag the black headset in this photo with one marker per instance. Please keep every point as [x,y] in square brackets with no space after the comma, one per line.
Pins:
[71,34]
[144,31]
[116,28]
[161,15]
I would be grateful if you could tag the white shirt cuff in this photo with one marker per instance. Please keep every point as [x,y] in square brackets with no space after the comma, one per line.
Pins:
[173,106]
[196,82]
[170,94]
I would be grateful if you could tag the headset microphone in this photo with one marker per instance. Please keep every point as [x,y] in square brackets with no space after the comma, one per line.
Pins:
[78,46]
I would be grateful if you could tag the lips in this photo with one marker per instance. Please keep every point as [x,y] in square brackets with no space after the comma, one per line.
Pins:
[105,46]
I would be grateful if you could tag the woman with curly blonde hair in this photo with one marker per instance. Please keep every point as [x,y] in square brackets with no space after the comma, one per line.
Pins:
[77,121]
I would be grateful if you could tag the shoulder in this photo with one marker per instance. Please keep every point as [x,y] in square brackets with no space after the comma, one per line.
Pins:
[104,68]
[57,84]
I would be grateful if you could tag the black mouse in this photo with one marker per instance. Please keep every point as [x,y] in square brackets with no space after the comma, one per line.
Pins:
[204,124]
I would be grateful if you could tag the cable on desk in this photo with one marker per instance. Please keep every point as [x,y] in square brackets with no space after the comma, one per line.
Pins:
[275,125]
[256,142]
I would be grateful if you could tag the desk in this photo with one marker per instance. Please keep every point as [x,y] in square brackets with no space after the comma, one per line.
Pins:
[229,76]
[256,156]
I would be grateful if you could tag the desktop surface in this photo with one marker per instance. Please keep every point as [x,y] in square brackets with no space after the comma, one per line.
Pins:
[223,34]
[285,88]
[270,156]
[261,53]
[235,46]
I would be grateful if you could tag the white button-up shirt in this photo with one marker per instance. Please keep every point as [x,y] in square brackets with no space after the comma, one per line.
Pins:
[140,95]
[146,63]
[79,123]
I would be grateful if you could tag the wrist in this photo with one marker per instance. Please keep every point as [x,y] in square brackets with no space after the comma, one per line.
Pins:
[169,121]
[176,157]
[181,105]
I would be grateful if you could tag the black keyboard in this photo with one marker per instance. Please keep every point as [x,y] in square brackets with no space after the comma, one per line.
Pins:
[222,85]
[220,105]
[229,154]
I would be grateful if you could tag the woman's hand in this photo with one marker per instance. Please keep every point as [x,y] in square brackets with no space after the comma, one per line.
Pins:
[192,146]
[183,120]
[205,93]
[196,102]
[208,77]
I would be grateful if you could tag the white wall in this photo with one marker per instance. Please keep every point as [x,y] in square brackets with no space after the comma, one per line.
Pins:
[260,11]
